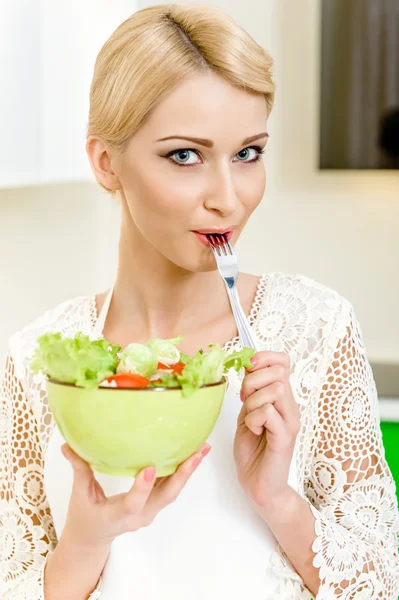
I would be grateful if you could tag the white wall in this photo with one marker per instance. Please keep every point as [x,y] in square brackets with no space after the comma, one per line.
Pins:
[19,96]
[340,228]
[48,50]
[48,250]
[71,34]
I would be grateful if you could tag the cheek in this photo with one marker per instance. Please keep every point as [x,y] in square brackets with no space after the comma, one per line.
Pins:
[156,197]
[171,196]
[253,189]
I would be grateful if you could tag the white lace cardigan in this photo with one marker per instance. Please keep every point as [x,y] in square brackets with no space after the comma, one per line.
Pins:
[340,457]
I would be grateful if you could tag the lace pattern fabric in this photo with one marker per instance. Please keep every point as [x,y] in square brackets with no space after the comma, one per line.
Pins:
[27,534]
[339,454]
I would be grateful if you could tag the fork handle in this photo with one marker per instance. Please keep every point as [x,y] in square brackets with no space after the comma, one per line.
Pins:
[246,335]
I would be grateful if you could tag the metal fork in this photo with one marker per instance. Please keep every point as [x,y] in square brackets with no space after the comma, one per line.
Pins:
[227,263]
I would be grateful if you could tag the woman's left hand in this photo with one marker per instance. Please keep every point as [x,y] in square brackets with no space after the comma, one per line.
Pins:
[267,427]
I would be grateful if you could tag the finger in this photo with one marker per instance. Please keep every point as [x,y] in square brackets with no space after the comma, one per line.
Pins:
[259,398]
[169,489]
[136,498]
[204,450]
[266,417]
[195,461]
[270,359]
[82,471]
[274,393]
[241,417]
[259,379]
[282,399]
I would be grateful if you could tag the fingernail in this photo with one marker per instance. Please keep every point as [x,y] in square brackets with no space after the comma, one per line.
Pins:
[149,474]
[206,451]
[254,361]
[197,461]
[242,396]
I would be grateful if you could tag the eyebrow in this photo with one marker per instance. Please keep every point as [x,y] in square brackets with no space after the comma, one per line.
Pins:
[209,143]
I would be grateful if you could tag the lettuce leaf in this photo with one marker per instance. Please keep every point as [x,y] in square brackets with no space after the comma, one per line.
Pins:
[138,359]
[206,368]
[185,358]
[166,350]
[165,380]
[87,363]
[77,360]
[239,359]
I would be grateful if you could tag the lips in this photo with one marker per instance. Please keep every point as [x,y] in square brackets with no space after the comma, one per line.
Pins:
[215,231]
[202,237]
[201,234]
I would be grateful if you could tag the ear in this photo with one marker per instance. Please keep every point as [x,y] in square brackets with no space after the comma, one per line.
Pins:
[100,161]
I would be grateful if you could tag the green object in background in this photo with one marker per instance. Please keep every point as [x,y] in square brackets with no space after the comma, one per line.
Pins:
[121,431]
[390,437]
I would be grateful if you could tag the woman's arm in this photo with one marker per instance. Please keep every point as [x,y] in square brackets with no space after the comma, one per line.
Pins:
[25,516]
[293,525]
[72,572]
[343,537]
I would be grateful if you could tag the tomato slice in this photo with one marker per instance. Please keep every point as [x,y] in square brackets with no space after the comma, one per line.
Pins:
[162,367]
[177,368]
[129,380]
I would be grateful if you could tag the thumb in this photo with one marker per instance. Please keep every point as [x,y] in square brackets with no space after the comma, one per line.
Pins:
[80,467]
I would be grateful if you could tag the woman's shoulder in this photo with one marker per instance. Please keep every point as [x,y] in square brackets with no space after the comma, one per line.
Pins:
[75,314]
[291,309]
[298,288]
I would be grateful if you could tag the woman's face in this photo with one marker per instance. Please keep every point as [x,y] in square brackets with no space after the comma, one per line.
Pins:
[173,187]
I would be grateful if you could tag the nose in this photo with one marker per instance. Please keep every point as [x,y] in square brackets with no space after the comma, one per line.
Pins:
[221,196]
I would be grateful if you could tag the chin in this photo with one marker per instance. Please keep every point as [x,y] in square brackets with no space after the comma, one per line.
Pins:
[206,268]
[197,264]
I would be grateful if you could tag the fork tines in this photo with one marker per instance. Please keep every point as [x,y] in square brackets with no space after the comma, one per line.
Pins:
[219,243]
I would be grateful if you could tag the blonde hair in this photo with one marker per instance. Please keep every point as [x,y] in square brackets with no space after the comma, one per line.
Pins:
[153,50]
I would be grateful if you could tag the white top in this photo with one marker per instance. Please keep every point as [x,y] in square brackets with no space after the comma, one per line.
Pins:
[210,544]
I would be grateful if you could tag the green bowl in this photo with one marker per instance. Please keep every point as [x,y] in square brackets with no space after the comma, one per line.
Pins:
[121,431]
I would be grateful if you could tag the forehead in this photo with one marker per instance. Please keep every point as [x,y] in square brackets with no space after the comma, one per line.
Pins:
[208,106]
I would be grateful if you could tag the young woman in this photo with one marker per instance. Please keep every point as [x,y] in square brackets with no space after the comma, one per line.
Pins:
[295,498]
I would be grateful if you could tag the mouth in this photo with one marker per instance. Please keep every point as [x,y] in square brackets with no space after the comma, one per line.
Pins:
[202,233]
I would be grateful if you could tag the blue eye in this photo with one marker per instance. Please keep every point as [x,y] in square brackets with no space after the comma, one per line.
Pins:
[184,156]
[258,151]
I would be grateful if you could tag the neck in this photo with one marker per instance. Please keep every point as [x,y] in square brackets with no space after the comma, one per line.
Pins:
[160,298]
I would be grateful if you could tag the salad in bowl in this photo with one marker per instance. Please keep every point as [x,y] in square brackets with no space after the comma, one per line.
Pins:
[125,409]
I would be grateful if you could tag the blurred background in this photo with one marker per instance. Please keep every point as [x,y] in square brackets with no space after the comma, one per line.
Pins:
[360,61]
[331,208]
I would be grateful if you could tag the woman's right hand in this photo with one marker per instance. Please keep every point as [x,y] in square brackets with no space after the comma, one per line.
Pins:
[94,520]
